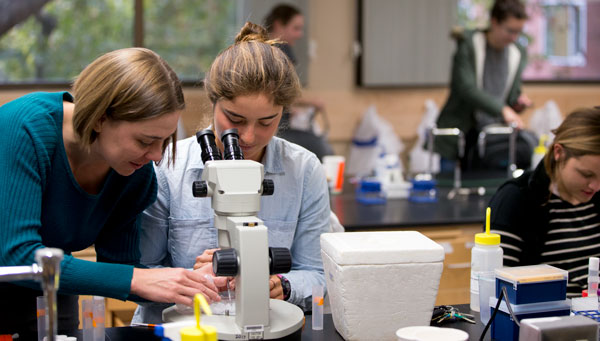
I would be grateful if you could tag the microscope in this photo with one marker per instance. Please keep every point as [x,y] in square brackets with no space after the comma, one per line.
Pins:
[235,186]
[47,271]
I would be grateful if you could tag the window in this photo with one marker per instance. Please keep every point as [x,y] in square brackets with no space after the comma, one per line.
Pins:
[189,34]
[53,44]
[565,32]
[559,36]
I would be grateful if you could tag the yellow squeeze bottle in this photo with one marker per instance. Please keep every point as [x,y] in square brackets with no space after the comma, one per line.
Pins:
[199,332]
[539,152]
[486,256]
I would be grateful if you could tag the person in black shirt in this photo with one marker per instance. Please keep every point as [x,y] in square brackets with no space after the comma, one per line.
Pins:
[551,215]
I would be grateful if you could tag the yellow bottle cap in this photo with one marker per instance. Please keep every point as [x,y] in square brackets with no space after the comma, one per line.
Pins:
[541,147]
[487,238]
[191,334]
[210,333]
[199,332]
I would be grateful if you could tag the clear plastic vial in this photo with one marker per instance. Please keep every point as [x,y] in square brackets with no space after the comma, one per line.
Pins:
[486,256]
[41,316]
[317,307]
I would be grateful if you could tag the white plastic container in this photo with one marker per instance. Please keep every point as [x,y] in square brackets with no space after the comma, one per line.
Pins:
[486,256]
[378,282]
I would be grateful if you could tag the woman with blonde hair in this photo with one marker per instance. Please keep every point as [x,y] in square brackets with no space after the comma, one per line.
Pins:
[551,215]
[250,85]
[76,172]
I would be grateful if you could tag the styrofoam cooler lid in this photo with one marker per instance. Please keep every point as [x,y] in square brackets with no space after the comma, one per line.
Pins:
[394,247]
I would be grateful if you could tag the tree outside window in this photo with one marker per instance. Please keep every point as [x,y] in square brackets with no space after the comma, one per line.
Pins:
[51,41]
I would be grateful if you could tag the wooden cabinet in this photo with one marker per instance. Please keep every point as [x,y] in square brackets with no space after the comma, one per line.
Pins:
[457,242]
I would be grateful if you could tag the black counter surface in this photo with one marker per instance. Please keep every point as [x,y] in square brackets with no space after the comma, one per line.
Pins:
[327,334]
[402,213]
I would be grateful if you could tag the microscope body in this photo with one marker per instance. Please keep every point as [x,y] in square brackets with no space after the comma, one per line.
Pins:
[235,186]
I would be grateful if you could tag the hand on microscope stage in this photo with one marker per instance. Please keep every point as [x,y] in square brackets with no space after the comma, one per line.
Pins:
[172,285]
[275,288]
[205,258]
[207,271]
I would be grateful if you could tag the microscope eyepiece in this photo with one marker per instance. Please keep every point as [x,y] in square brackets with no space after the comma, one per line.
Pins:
[206,139]
[231,145]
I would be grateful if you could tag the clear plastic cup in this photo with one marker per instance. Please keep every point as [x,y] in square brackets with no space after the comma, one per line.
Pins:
[41,317]
[317,307]
[487,289]
[88,319]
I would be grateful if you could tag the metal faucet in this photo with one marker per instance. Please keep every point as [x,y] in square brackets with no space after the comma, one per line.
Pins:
[432,132]
[494,129]
[46,271]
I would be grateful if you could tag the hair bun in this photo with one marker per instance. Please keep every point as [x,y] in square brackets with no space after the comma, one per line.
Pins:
[253,32]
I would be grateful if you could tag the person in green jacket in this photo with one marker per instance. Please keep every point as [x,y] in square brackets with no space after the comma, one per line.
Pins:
[486,78]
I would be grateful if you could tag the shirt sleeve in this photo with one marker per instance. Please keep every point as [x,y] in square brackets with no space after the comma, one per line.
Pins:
[307,266]
[507,218]
[25,164]
[155,227]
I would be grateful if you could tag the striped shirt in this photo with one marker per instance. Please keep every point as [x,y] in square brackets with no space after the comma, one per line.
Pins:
[572,237]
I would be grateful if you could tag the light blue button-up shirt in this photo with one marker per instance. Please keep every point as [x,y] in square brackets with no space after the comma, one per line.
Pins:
[178,227]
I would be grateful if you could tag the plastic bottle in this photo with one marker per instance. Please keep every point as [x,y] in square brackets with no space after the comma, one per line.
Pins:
[486,256]
[199,332]
[539,152]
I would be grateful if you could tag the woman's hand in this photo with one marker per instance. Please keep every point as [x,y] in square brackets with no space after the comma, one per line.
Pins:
[523,102]
[205,257]
[510,116]
[275,288]
[207,271]
[172,285]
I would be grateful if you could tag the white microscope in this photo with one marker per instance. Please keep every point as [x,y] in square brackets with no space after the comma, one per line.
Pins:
[235,186]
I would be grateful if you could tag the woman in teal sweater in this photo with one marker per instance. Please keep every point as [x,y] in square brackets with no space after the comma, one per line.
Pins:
[75,171]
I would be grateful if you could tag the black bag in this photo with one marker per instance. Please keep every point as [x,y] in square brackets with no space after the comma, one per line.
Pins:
[496,152]
[317,144]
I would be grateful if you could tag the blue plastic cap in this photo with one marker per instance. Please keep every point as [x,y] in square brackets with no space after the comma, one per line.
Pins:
[159,331]
[370,186]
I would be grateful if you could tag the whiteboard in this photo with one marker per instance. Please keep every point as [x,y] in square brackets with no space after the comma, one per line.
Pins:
[406,42]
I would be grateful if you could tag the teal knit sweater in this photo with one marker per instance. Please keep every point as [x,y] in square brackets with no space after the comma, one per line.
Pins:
[42,205]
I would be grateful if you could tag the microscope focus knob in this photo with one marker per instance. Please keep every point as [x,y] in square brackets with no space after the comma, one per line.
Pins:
[225,262]
[268,187]
[280,260]
[200,189]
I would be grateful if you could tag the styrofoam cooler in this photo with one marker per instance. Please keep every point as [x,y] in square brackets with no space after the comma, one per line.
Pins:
[378,282]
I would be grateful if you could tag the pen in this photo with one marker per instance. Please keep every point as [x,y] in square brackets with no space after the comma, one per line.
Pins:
[147,325]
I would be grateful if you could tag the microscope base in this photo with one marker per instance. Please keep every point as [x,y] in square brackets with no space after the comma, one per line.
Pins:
[285,319]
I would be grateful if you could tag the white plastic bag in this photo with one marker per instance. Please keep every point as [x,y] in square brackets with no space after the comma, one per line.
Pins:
[545,119]
[419,157]
[373,136]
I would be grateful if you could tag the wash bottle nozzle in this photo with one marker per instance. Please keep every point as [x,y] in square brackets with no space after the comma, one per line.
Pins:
[199,332]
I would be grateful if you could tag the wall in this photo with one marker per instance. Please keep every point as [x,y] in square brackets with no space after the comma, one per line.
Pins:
[332,31]
[332,73]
